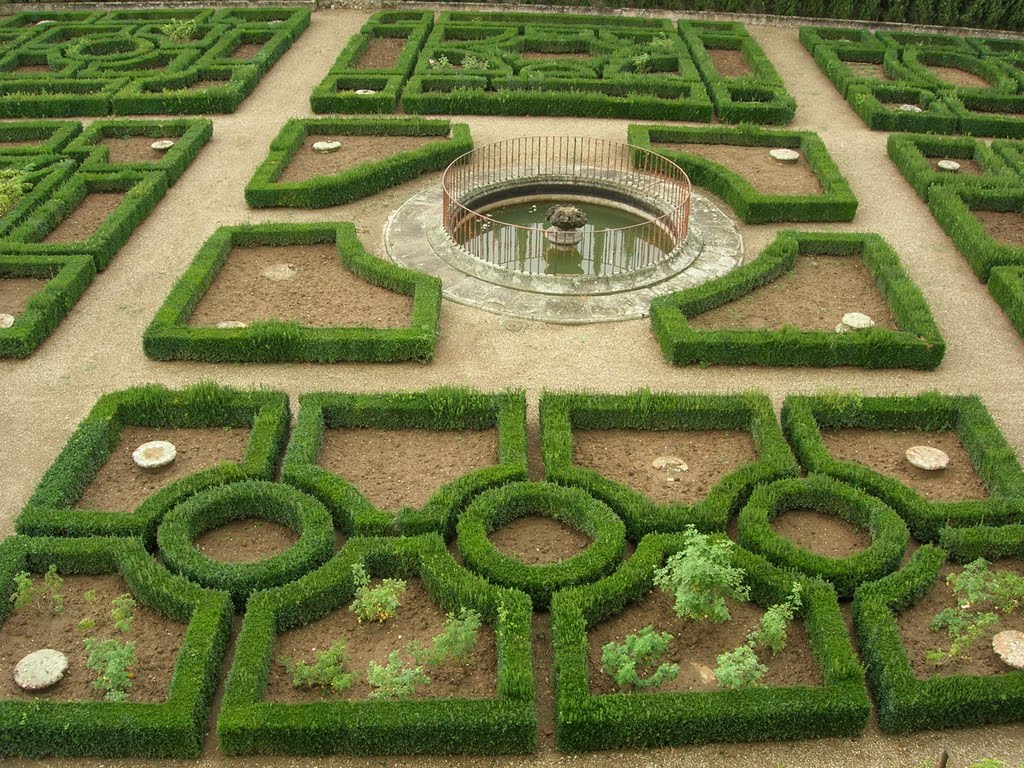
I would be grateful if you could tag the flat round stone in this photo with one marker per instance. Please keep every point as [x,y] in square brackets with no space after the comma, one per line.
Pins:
[45,21]
[154,454]
[163,145]
[670,462]
[857,321]
[1009,646]
[364,92]
[948,165]
[926,457]
[280,272]
[6,321]
[232,324]
[908,108]
[784,155]
[40,670]
[326,146]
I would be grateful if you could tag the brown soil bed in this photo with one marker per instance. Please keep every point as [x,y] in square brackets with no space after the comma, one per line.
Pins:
[625,455]
[729,63]
[27,69]
[355,150]
[918,639]
[884,451]
[246,541]
[246,50]
[9,144]
[1005,226]
[959,77]
[814,295]
[418,618]
[821,534]
[539,540]
[867,70]
[381,53]
[323,293]
[966,166]
[754,164]
[396,468]
[120,486]
[16,291]
[701,642]
[157,641]
[133,149]
[83,222]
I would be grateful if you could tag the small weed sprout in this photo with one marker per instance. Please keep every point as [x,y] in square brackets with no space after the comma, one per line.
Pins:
[90,596]
[394,680]
[181,30]
[112,661]
[13,186]
[53,583]
[24,590]
[327,670]
[455,642]
[375,603]
[121,614]
[87,625]
[624,662]
[702,577]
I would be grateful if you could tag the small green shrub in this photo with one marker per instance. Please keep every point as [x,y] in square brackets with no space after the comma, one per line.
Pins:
[701,577]
[624,662]
[181,30]
[121,615]
[375,603]
[775,622]
[742,667]
[327,670]
[87,625]
[90,596]
[13,186]
[395,680]
[112,662]
[25,592]
[455,642]
[739,668]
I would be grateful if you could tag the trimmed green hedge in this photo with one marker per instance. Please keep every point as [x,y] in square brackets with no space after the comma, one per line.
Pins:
[952,207]
[840,707]
[563,413]
[52,135]
[916,344]
[965,545]
[499,506]
[245,500]
[1006,284]
[907,703]
[835,203]
[912,152]
[439,409]
[265,191]
[878,106]
[170,337]
[248,724]
[805,417]
[51,509]
[173,728]
[889,534]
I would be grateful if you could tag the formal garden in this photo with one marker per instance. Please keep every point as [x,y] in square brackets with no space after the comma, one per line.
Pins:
[492,385]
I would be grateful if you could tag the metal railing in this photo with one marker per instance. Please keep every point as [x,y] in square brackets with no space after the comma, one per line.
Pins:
[556,169]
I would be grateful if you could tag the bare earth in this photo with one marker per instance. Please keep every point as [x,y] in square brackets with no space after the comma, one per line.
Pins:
[98,349]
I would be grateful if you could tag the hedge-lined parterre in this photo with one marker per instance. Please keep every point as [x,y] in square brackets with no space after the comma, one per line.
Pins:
[889,534]
[993,542]
[913,153]
[575,508]
[953,207]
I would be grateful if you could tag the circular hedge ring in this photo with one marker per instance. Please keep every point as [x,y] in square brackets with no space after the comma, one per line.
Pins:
[889,534]
[239,501]
[576,508]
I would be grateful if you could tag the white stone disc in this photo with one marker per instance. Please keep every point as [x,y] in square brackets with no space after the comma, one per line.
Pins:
[40,670]
[857,321]
[163,145]
[280,272]
[926,457]
[1009,646]
[154,454]
[670,462]
[326,146]
[908,108]
[948,165]
[232,324]
[364,92]
[784,155]
[841,328]
[45,21]
[6,321]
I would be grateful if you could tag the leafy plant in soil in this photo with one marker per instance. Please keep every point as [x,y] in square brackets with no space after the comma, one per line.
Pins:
[121,614]
[742,667]
[181,30]
[395,680]
[112,661]
[87,625]
[25,592]
[375,603]
[455,642]
[12,188]
[739,668]
[981,596]
[702,577]
[327,670]
[624,662]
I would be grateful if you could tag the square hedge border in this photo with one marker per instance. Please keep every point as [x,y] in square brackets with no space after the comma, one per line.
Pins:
[840,707]
[562,413]
[916,344]
[50,511]
[173,728]
[503,725]
[441,409]
[910,152]
[805,416]
[265,190]
[53,136]
[952,206]
[46,173]
[170,337]
[836,203]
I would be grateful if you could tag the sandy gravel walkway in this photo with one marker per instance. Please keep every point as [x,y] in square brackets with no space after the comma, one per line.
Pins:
[98,347]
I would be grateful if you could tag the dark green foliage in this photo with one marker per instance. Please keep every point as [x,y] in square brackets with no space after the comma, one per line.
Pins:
[952,207]
[51,510]
[249,499]
[505,724]
[889,534]
[563,413]
[912,152]
[497,507]
[170,337]
[618,721]
[994,542]
[804,418]
[1006,284]
[264,190]
[836,203]
[916,344]
[441,409]
[173,728]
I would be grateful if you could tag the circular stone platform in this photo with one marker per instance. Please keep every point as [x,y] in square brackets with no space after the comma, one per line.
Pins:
[415,238]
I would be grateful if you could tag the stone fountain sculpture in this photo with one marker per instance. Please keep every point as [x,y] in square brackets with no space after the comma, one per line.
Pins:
[567,222]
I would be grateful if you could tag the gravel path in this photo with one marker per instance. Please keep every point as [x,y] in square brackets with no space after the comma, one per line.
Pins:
[98,347]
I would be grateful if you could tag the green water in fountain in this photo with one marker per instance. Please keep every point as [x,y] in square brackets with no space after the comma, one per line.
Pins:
[600,252]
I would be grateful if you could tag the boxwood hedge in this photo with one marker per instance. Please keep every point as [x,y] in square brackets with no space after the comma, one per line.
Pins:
[953,208]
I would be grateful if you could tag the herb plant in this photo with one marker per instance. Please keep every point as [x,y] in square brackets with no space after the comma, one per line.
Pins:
[327,670]
[181,30]
[739,668]
[53,583]
[742,667]
[121,614]
[24,590]
[395,680]
[702,577]
[375,603]
[455,642]
[112,661]
[13,186]
[625,662]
